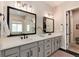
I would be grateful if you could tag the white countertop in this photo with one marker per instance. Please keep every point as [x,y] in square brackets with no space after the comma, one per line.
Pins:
[10,42]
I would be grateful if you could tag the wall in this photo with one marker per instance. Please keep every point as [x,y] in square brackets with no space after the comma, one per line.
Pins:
[61,16]
[40,11]
[59,23]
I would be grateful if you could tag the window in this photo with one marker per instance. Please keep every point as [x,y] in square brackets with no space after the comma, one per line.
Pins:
[17,27]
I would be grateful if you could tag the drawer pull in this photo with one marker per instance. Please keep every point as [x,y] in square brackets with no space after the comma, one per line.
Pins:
[48,52]
[38,49]
[31,53]
[27,54]
[48,45]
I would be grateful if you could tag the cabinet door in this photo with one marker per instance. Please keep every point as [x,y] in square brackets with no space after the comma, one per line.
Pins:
[47,44]
[59,42]
[25,53]
[53,45]
[11,51]
[56,44]
[41,51]
[47,53]
[13,55]
[33,52]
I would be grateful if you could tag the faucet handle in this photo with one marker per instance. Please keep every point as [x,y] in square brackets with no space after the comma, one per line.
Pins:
[26,36]
[21,38]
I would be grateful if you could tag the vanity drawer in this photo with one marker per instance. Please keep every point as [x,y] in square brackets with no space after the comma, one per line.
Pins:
[48,44]
[47,41]
[27,46]
[58,37]
[40,42]
[14,55]
[47,53]
[11,51]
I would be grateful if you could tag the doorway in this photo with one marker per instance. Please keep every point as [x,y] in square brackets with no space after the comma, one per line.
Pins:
[72,30]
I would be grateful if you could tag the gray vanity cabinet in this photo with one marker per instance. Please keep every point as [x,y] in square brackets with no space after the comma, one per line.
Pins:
[29,50]
[25,53]
[12,52]
[53,43]
[47,44]
[33,52]
[57,43]
[40,48]
[47,48]
[13,55]
[47,52]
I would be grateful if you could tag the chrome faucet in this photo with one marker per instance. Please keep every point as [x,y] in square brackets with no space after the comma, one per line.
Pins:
[24,37]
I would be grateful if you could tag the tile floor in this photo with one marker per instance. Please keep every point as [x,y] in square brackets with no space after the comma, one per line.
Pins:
[74,47]
[60,53]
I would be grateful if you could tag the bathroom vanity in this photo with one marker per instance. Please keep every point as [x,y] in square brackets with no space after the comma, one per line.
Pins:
[21,42]
[33,46]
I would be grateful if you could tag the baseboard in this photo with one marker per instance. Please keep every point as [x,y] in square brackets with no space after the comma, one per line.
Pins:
[70,52]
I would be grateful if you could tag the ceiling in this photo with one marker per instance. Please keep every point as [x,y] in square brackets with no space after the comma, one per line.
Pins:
[53,3]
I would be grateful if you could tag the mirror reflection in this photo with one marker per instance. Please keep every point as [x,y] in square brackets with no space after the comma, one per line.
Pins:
[21,22]
[48,25]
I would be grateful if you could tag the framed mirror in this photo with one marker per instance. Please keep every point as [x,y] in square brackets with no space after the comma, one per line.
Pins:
[48,25]
[21,22]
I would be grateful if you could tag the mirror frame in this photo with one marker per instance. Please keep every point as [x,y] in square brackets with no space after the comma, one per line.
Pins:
[8,18]
[44,24]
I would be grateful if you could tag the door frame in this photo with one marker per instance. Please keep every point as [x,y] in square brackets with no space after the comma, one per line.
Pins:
[69,20]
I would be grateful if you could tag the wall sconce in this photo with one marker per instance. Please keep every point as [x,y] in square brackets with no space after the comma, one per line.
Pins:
[24,6]
[49,15]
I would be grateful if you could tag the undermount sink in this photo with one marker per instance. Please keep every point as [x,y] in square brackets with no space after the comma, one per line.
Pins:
[42,35]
